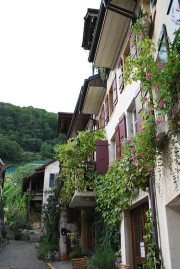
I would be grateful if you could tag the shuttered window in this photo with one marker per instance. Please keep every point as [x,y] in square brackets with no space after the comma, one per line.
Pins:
[102,156]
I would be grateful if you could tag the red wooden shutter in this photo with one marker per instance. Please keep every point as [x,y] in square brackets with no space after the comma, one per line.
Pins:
[133,51]
[117,141]
[122,129]
[102,156]
[103,116]
[106,110]
[114,89]
[139,108]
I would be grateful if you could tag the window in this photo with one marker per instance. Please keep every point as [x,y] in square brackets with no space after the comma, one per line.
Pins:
[113,96]
[173,18]
[120,74]
[52,179]
[152,3]
[163,46]
[131,120]
[134,122]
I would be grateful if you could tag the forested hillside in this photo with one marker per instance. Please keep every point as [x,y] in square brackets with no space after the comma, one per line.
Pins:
[27,133]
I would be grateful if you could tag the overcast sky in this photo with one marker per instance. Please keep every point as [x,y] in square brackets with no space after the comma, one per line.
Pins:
[42,63]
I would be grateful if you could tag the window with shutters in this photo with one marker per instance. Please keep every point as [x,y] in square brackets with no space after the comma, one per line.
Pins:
[163,46]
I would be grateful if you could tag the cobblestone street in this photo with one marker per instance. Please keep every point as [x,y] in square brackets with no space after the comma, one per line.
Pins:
[20,255]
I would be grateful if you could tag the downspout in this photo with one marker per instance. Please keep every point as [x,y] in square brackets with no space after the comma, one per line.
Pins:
[153,210]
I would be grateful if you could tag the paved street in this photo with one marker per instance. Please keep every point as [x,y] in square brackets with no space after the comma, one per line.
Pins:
[20,255]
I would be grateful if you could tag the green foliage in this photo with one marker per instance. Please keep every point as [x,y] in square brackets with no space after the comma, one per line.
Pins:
[159,80]
[13,200]
[106,234]
[10,150]
[76,252]
[114,190]
[44,247]
[151,260]
[103,257]
[73,157]
[51,215]
[26,130]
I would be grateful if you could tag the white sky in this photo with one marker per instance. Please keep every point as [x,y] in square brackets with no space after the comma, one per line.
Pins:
[42,63]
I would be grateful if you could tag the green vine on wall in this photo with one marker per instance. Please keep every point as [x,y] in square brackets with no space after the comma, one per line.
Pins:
[160,80]
[151,260]
[72,157]
[115,189]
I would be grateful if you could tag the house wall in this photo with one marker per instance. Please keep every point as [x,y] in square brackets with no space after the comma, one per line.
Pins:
[168,180]
[51,168]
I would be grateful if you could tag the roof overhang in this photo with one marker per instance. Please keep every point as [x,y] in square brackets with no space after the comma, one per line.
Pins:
[112,26]
[89,26]
[64,120]
[93,93]
[83,199]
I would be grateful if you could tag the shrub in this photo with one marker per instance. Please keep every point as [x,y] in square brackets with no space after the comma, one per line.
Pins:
[104,257]
[76,252]
[44,247]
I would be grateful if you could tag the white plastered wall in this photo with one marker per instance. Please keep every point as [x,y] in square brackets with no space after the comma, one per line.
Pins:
[51,168]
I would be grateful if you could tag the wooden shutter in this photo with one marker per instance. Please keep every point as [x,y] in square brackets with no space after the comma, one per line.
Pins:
[117,141]
[139,108]
[114,90]
[103,116]
[102,156]
[106,109]
[122,130]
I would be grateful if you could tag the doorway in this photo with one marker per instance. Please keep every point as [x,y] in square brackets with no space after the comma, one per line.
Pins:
[138,220]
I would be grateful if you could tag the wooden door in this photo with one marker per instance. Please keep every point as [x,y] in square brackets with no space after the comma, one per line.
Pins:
[138,218]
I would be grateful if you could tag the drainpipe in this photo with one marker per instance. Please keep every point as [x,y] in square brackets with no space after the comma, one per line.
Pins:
[153,209]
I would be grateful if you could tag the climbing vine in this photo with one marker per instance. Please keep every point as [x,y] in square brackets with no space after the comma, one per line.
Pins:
[74,157]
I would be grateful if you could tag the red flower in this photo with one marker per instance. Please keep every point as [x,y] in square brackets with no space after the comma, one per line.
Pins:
[160,65]
[148,75]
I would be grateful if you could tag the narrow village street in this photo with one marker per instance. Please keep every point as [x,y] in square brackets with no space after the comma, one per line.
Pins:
[20,255]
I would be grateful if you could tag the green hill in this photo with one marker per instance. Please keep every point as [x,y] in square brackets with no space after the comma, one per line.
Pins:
[27,133]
